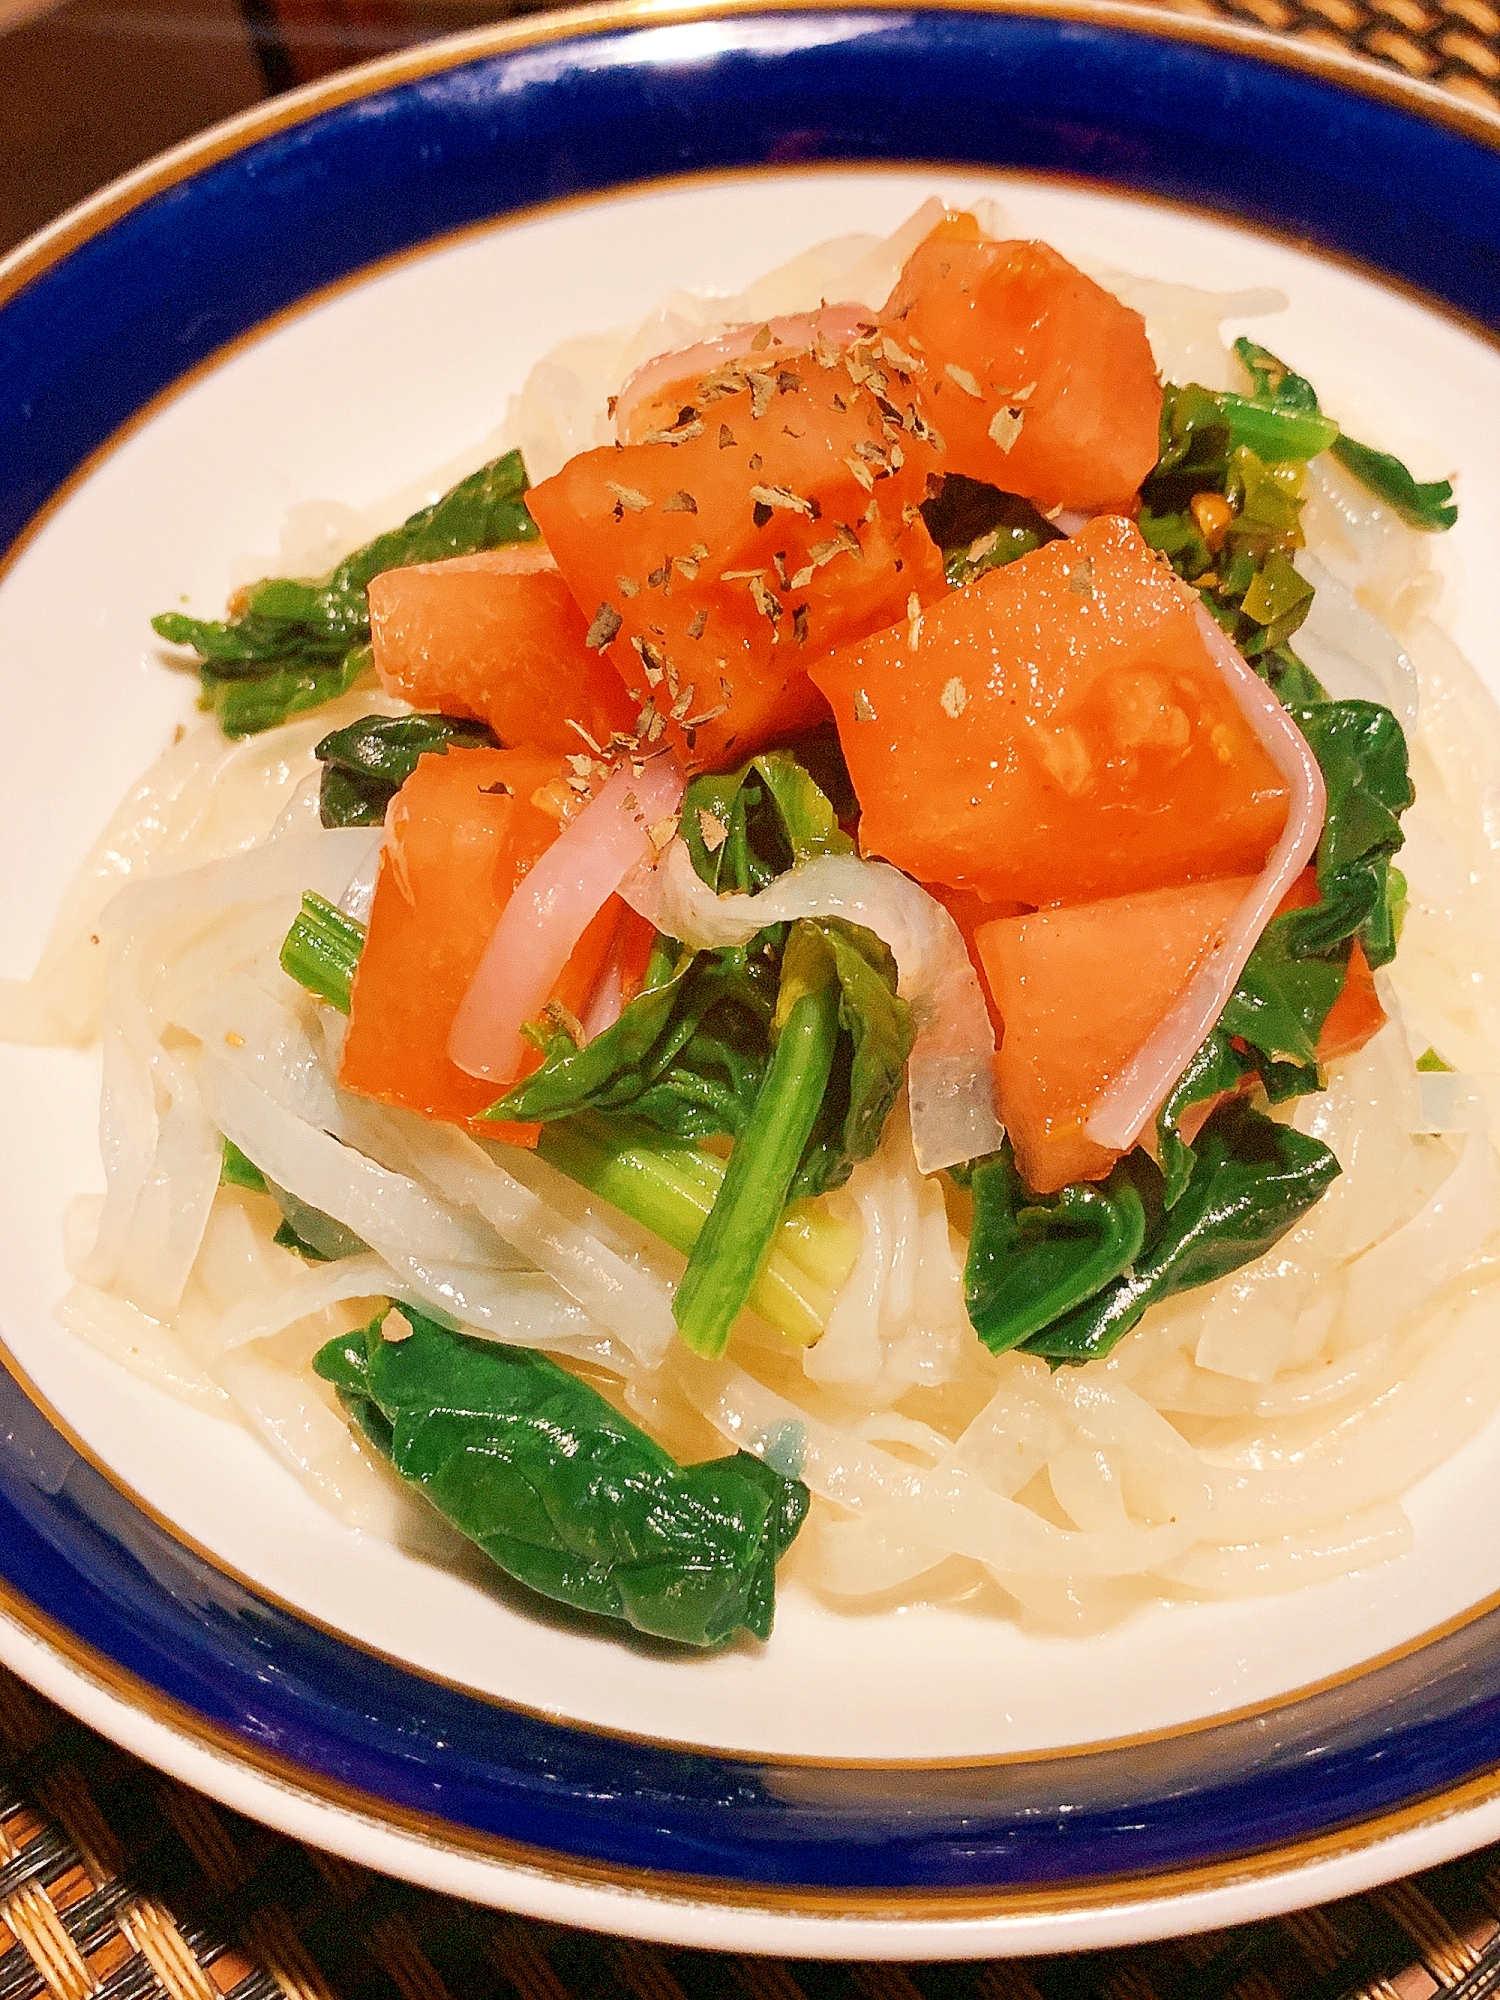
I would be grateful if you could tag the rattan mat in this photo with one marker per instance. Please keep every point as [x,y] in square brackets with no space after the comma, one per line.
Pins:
[1455,45]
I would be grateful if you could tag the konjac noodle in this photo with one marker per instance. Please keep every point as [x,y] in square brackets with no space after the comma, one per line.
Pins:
[813,957]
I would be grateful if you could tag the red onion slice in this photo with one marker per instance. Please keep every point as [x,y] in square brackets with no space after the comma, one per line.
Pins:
[1126,1107]
[840,326]
[550,911]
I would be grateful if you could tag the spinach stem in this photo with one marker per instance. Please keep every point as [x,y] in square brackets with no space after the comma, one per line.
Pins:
[670,1188]
[735,1242]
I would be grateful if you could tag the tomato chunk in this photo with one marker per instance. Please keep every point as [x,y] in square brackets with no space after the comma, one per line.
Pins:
[460,835]
[1039,380]
[1357,1016]
[1079,990]
[496,636]
[717,559]
[1055,732]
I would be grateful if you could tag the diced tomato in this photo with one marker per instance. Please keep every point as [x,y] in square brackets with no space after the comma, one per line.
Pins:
[460,835]
[1302,894]
[1357,1015]
[775,520]
[496,636]
[969,912]
[1079,990]
[1039,380]
[1055,732]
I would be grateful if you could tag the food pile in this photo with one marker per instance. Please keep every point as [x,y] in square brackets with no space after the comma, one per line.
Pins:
[901,720]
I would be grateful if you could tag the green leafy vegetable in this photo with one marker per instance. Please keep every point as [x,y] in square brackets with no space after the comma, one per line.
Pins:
[366,763]
[1217,1067]
[1251,1181]
[310,1232]
[1275,431]
[1429,506]
[562,1492]
[245,706]
[736,1240]
[979,528]
[1281,1002]
[691,1052]
[1034,1258]
[1361,750]
[293,645]
[305,1229]
[688,1053]
[745,828]
[1274,1019]
[237,1171]
[322,950]
[870,1058]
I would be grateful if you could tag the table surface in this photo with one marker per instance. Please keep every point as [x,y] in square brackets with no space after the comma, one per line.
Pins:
[117,1881]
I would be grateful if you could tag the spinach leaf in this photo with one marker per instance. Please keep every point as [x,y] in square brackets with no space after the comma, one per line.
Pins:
[793,1045]
[979,528]
[1273,430]
[746,827]
[1281,1002]
[290,646]
[1251,1182]
[563,1493]
[366,763]
[688,1054]
[1274,1018]
[245,706]
[237,1171]
[870,1059]
[1361,750]
[310,1232]
[1034,1258]
[1429,506]
[305,1229]
[1217,1066]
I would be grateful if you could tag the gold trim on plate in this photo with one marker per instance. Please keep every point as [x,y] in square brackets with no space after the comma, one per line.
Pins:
[868,1905]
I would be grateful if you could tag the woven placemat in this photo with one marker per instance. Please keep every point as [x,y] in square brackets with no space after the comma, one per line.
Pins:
[1455,45]
[118,1882]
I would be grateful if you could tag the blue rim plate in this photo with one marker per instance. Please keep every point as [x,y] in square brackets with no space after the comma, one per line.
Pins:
[122,1620]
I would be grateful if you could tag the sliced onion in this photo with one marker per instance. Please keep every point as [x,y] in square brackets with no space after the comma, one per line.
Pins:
[839,326]
[550,911]
[1125,1108]
[950,1078]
